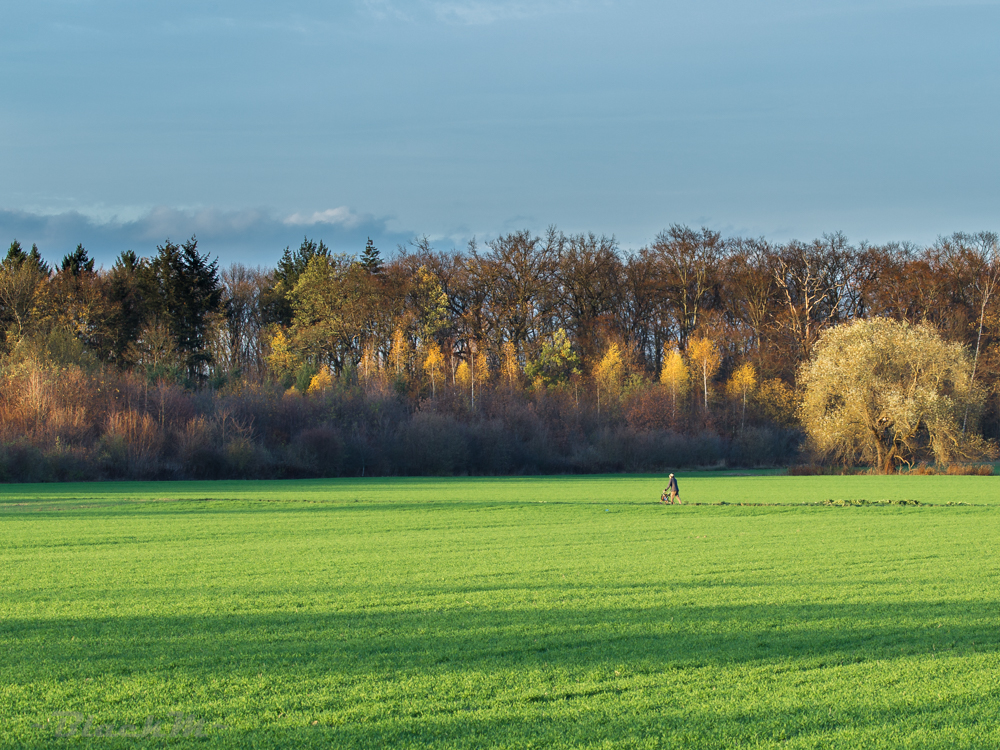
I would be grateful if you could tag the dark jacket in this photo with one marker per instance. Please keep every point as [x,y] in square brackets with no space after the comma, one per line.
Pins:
[672,487]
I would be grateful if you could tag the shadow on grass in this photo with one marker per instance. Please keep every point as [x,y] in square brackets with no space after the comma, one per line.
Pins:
[552,635]
[470,660]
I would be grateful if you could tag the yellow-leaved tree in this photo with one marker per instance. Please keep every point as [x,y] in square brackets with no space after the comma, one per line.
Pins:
[705,359]
[368,367]
[777,401]
[741,385]
[675,376]
[608,376]
[510,367]
[282,361]
[321,381]
[463,375]
[482,368]
[399,354]
[434,365]
[889,393]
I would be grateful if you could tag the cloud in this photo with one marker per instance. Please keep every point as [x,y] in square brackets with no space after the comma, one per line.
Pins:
[252,236]
[482,13]
[385,10]
[473,12]
[342,216]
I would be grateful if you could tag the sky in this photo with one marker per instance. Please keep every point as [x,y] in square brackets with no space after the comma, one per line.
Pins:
[253,124]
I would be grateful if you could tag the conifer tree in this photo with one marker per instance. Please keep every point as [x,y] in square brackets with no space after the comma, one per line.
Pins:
[188,290]
[276,303]
[371,259]
[77,263]
[17,256]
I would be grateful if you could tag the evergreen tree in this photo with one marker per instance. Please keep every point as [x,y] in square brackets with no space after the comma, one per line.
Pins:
[77,262]
[188,290]
[17,256]
[125,285]
[275,303]
[371,259]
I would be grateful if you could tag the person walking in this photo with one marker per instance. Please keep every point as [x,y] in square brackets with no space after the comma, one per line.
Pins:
[673,492]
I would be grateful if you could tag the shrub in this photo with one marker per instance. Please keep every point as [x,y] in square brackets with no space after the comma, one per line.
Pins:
[317,452]
[808,470]
[433,443]
[22,462]
[979,470]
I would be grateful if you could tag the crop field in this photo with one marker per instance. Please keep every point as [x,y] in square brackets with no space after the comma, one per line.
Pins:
[563,612]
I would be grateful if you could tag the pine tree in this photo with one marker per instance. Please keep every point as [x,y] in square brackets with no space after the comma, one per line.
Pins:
[77,262]
[187,284]
[275,303]
[129,304]
[17,256]
[371,259]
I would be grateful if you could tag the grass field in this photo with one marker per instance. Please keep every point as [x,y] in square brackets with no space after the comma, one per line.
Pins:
[517,612]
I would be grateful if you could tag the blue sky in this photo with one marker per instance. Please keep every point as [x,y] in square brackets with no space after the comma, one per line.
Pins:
[252,124]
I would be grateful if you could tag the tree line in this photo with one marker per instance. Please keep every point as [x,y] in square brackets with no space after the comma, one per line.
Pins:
[527,353]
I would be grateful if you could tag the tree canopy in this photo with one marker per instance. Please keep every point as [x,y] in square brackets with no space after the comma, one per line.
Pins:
[568,342]
[887,393]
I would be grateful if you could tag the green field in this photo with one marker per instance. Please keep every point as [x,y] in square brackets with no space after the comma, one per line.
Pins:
[515,612]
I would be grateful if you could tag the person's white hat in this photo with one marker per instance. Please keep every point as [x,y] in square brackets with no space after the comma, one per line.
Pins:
[671,475]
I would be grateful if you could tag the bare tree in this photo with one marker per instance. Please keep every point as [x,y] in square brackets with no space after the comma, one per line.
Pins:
[243,288]
[19,282]
[588,289]
[688,264]
[812,280]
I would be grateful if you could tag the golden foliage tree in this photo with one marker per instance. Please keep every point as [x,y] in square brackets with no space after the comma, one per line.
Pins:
[320,382]
[19,283]
[705,359]
[741,385]
[609,374]
[777,401]
[283,360]
[676,376]
[463,375]
[434,365]
[368,366]
[400,352]
[510,367]
[888,393]
[481,367]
